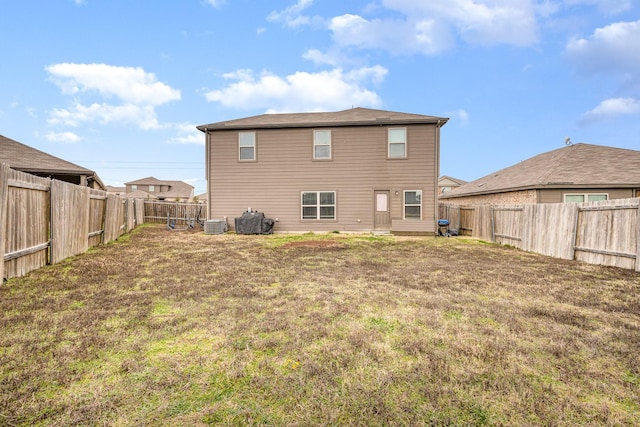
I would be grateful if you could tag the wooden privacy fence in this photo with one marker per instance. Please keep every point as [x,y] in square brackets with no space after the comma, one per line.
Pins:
[44,221]
[180,213]
[605,232]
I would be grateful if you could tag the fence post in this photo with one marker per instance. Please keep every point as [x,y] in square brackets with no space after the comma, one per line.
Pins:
[574,233]
[638,238]
[4,196]
[493,224]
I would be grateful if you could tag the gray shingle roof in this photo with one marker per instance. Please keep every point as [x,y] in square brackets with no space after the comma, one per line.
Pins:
[27,159]
[352,117]
[579,165]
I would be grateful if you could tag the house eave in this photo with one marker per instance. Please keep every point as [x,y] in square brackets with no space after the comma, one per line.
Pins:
[548,186]
[378,122]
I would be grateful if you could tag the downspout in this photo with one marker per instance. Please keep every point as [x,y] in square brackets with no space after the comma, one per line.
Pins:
[207,149]
[437,176]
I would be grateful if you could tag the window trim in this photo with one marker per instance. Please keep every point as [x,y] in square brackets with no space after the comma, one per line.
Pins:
[405,205]
[254,146]
[318,206]
[152,188]
[584,195]
[389,143]
[330,145]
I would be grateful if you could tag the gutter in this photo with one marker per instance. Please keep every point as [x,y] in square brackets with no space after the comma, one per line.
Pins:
[378,122]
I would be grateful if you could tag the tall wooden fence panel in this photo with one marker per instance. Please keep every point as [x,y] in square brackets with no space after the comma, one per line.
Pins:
[69,220]
[97,211]
[25,230]
[549,229]
[606,232]
[178,213]
[482,226]
[139,211]
[44,221]
[4,190]
[114,222]
[507,225]
[130,215]
[467,216]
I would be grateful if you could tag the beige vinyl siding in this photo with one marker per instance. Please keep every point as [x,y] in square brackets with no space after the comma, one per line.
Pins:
[285,168]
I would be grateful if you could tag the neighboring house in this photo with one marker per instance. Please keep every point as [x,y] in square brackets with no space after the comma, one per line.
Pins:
[200,198]
[576,173]
[153,188]
[447,183]
[118,191]
[356,170]
[35,162]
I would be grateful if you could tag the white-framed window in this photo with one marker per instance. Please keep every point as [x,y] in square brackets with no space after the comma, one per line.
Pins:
[152,188]
[413,204]
[585,197]
[247,146]
[318,205]
[322,145]
[397,143]
[134,187]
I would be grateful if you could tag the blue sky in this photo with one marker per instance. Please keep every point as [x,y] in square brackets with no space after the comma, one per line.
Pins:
[118,86]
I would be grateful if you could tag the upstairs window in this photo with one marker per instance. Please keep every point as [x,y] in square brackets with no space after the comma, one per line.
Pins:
[247,146]
[319,205]
[413,204]
[152,188]
[322,145]
[134,187]
[397,143]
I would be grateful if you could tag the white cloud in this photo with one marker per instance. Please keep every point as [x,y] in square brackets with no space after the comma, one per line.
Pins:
[429,27]
[134,92]
[142,116]
[461,115]
[131,85]
[322,58]
[612,108]
[393,35]
[62,137]
[609,7]
[301,91]
[214,3]
[292,16]
[611,48]
[187,134]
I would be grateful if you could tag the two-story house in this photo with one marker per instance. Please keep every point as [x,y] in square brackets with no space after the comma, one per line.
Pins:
[154,188]
[356,170]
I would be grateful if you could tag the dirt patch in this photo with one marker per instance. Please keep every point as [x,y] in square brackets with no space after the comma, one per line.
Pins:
[314,244]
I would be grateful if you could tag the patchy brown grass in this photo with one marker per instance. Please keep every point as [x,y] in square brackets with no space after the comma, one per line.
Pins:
[168,328]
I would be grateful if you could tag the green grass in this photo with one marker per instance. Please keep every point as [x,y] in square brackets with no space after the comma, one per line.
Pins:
[166,328]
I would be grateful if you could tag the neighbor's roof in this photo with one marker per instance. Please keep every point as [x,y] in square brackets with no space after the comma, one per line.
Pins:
[352,117]
[447,180]
[176,188]
[27,159]
[579,165]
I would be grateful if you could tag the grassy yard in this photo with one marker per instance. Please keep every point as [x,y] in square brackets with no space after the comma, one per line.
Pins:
[181,328]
